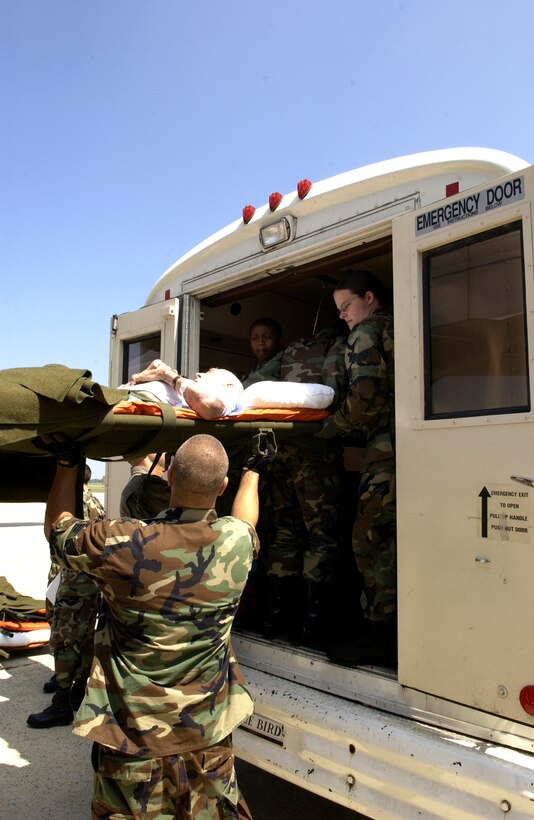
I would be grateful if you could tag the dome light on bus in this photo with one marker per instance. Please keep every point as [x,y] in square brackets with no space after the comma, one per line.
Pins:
[275,233]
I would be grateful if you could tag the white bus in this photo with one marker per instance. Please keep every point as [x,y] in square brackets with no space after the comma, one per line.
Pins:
[451,733]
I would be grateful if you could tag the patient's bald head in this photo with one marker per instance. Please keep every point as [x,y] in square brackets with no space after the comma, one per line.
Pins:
[198,472]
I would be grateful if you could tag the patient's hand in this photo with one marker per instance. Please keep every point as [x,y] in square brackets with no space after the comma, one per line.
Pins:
[157,371]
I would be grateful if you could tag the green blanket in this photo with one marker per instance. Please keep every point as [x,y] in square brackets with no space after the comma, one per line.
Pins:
[14,605]
[43,401]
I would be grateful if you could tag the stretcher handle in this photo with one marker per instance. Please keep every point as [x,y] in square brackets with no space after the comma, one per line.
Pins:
[264,436]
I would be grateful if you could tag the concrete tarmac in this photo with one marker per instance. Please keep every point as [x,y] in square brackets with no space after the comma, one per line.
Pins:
[45,773]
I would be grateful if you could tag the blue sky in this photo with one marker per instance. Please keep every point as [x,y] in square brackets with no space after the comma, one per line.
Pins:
[131,130]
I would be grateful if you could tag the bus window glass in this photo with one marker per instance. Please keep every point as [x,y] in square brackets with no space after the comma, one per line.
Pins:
[475,328]
[138,354]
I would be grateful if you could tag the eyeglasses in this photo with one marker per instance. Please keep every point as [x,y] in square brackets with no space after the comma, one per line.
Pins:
[342,308]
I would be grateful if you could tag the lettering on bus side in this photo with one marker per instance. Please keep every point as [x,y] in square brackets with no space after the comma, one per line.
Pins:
[264,727]
[503,193]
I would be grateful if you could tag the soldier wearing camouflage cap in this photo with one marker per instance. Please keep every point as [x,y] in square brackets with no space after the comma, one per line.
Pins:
[368,409]
[165,691]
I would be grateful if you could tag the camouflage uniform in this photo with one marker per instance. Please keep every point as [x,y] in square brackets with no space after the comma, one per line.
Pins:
[252,604]
[74,616]
[369,410]
[268,372]
[165,691]
[306,471]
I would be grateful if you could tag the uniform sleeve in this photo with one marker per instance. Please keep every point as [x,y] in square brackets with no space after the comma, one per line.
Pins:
[334,372]
[269,372]
[367,399]
[77,544]
[92,508]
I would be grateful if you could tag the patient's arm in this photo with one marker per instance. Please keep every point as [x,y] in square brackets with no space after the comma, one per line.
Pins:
[206,403]
[203,397]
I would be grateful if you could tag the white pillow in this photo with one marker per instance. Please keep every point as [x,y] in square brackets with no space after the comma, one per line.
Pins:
[264,395]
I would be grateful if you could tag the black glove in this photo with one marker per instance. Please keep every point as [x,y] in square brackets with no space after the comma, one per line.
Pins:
[260,462]
[67,453]
[71,459]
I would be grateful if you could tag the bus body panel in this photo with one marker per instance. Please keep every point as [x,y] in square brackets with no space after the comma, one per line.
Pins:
[465,527]
[377,763]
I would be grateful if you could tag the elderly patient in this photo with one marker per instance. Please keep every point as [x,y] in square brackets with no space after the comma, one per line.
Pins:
[211,395]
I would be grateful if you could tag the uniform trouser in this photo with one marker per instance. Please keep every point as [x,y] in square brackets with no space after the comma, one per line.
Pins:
[73,627]
[374,541]
[305,492]
[200,785]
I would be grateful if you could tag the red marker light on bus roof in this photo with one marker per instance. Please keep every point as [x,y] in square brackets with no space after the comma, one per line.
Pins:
[526,699]
[167,294]
[274,200]
[248,213]
[303,187]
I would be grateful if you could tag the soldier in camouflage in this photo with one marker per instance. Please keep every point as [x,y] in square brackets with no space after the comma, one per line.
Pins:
[72,621]
[165,691]
[369,410]
[305,496]
[270,371]
[264,337]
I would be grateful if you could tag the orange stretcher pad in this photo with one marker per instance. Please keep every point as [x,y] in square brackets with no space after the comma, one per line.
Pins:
[136,408]
[16,634]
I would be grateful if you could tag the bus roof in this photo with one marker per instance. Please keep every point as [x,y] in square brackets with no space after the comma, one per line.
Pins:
[239,240]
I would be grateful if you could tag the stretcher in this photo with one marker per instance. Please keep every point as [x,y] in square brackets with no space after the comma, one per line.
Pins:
[41,408]
[19,634]
[23,623]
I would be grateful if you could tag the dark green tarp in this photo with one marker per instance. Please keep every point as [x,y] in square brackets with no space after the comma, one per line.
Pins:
[14,605]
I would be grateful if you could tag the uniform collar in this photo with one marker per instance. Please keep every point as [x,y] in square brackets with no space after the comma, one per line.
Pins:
[186,515]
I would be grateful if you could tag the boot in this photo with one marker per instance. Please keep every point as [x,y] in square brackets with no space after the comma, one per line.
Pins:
[59,713]
[375,645]
[77,693]
[276,605]
[50,686]
[283,605]
[313,622]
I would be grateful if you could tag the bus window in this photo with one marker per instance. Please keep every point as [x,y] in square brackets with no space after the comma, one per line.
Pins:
[138,353]
[475,328]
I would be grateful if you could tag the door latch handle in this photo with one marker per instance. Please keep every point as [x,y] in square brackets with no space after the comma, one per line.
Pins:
[523,479]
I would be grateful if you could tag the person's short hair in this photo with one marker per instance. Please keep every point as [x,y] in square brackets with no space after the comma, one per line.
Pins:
[272,324]
[201,465]
[87,474]
[360,281]
[224,378]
